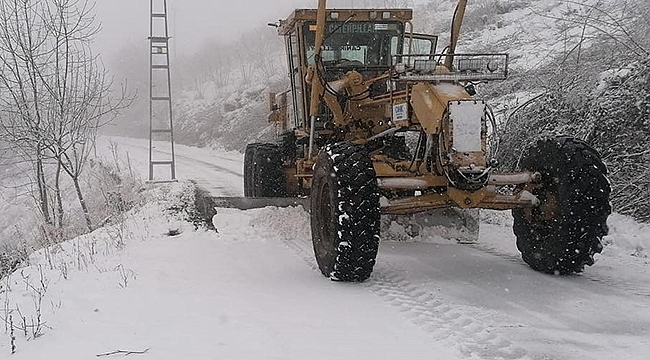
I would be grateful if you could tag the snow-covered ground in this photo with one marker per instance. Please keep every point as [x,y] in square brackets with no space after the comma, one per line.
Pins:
[253,290]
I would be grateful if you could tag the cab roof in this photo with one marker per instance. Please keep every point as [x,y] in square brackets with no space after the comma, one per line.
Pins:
[379,15]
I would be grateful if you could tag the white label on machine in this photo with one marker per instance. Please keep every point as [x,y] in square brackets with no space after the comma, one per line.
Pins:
[381,27]
[467,125]
[400,112]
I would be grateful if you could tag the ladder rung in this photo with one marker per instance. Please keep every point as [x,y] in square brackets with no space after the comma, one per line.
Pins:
[160,66]
[162,163]
[161,98]
[159,15]
[158,131]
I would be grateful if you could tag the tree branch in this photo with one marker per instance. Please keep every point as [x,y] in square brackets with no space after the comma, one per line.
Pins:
[124,352]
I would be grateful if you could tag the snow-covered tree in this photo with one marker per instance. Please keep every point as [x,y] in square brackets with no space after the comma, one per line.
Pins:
[55,92]
[598,90]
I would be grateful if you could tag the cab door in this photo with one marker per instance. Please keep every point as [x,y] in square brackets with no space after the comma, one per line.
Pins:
[296,77]
[420,47]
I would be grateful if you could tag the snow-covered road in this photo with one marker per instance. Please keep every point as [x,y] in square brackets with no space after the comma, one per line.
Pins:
[253,291]
[219,172]
[484,297]
[483,302]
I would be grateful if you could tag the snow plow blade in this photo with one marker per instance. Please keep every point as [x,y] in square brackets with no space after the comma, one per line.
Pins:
[246,203]
[460,225]
[454,224]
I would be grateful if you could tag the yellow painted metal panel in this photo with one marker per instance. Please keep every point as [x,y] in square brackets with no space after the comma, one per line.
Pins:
[430,102]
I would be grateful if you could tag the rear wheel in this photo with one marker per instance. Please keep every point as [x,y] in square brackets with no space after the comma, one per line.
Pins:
[263,171]
[563,233]
[345,214]
[248,169]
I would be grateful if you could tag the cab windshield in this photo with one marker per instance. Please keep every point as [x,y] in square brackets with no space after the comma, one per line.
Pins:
[363,44]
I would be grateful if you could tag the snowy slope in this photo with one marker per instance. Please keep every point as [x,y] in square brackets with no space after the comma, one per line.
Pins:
[201,295]
[532,32]
[253,291]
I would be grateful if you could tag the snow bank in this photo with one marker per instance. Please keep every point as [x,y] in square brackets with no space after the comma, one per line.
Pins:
[627,237]
[239,294]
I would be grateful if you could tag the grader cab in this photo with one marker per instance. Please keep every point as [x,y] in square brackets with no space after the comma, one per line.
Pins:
[378,121]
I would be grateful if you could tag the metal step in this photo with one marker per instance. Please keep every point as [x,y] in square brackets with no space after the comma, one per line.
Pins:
[161,162]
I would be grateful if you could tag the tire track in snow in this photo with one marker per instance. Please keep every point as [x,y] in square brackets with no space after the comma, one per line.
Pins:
[616,284]
[212,165]
[214,178]
[470,330]
[302,249]
[191,159]
[212,184]
[291,234]
[445,322]
[629,288]
[488,250]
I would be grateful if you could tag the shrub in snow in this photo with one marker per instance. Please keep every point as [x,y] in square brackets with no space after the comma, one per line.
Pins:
[191,204]
[231,105]
[620,117]
[614,118]
[116,192]
[9,261]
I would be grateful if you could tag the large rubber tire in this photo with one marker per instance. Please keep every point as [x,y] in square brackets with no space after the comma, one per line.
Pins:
[264,172]
[562,234]
[345,213]
[248,169]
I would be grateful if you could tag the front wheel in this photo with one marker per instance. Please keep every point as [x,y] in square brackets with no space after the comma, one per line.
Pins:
[562,234]
[345,213]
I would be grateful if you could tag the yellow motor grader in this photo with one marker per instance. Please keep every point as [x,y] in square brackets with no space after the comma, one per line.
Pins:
[377,121]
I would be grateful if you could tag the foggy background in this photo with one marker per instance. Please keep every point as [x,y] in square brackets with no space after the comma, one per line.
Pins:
[224,59]
[192,22]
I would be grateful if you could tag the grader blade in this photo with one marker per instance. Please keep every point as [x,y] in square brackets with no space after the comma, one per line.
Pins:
[246,203]
[453,224]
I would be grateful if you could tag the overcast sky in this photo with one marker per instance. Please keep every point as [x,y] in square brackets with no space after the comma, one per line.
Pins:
[193,21]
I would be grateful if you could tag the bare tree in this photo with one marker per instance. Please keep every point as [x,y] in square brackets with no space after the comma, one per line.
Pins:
[22,100]
[81,90]
[55,114]
[220,70]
